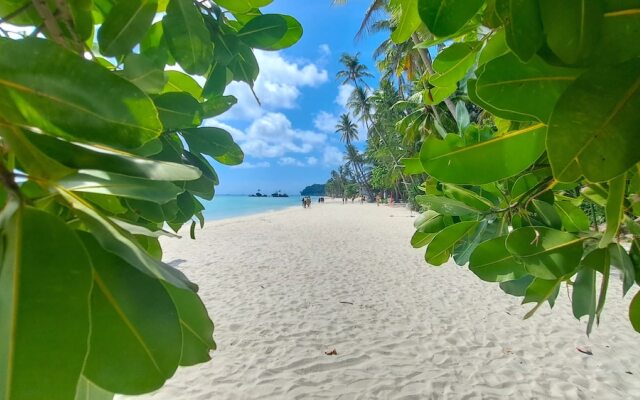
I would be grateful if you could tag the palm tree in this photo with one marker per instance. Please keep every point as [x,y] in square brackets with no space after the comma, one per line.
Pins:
[348,129]
[355,160]
[354,71]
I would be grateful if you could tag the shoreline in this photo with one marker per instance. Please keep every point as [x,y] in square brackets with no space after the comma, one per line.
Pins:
[285,288]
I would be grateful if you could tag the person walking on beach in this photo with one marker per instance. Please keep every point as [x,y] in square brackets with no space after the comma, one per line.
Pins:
[304,202]
[378,200]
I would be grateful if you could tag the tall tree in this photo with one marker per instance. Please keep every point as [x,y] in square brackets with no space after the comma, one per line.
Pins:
[354,71]
[347,128]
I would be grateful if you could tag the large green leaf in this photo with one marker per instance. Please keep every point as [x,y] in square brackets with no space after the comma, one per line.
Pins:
[125,26]
[142,72]
[263,31]
[446,17]
[178,110]
[453,63]
[620,29]
[485,162]
[546,253]
[112,238]
[214,142]
[132,350]
[539,291]
[518,287]
[197,328]
[530,91]
[445,206]
[583,298]
[154,47]
[572,27]
[492,262]
[634,312]
[523,27]
[593,129]
[291,37]
[89,157]
[180,82]
[92,181]
[495,47]
[44,309]
[188,36]
[408,20]
[614,209]
[620,259]
[42,93]
[573,218]
[468,197]
[441,246]
[88,390]
[245,67]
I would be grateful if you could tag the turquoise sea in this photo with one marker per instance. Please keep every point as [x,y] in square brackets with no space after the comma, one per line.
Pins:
[228,206]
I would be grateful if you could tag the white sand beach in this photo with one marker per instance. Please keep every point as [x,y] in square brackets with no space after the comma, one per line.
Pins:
[285,287]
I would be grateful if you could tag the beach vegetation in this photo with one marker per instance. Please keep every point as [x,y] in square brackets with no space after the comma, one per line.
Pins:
[513,127]
[102,152]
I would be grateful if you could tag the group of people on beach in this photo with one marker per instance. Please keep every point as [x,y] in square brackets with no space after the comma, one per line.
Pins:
[306,202]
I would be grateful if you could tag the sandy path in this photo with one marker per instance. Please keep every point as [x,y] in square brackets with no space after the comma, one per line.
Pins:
[285,287]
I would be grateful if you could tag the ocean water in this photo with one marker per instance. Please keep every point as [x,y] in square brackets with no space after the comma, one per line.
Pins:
[228,206]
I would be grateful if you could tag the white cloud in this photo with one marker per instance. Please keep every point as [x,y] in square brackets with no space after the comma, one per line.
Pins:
[272,135]
[325,50]
[344,91]
[332,156]
[277,87]
[249,165]
[312,161]
[290,161]
[325,122]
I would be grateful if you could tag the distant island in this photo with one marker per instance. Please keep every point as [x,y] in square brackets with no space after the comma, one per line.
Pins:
[313,190]
[276,194]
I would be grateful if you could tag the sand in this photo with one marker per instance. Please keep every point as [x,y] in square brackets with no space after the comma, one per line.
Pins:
[285,287]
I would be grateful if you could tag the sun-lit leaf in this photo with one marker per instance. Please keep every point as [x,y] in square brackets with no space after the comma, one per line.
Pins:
[408,21]
[46,96]
[264,31]
[178,110]
[446,17]
[573,218]
[485,162]
[88,390]
[187,36]
[592,131]
[546,253]
[441,246]
[453,63]
[125,26]
[214,142]
[445,206]
[44,285]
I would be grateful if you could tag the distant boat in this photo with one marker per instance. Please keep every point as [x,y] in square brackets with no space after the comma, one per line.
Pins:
[258,194]
[279,194]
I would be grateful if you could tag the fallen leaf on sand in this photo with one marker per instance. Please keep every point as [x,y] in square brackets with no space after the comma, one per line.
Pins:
[584,350]
[331,353]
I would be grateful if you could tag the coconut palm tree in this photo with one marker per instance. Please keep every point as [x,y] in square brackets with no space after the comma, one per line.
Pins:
[354,71]
[348,129]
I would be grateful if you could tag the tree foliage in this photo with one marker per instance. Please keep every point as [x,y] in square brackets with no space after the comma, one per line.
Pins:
[101,151]
[523,131]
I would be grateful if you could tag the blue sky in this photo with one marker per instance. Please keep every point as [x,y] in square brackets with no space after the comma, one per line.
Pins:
[289,142]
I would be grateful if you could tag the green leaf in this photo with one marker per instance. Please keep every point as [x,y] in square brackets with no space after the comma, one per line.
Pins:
[179,82]
[620,30]
[87,390]
[178,110]
[485,162]
[197,328]
[546,253]
[463,250]
[437,94]
[154,47]
[44,318]
[142,72]
[430,222]
[188,36]
[441,246]
[453,63]
[125,26]
[573,218]
[92,181]
[491,262]
[89,157]
[614,209]
[572,27]
[446,17]
[592,131]
[245,66]
[634,312]
[523,27]
[445,206]
[421,239]
[114,240]
[40,92]
[216,82]
[263,31]
[412,166]
[217,105]
[408,20]
[132,351]
[546,213]
[495,47]
[620,259]
[539,291]
[518,287]
[522,92]
[468,197]
[214,142]
[291,37]
[583,298]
